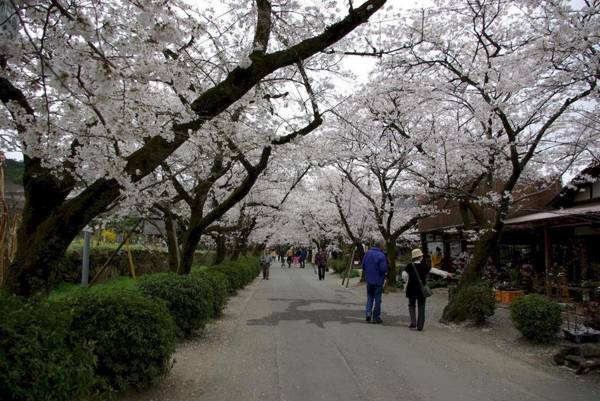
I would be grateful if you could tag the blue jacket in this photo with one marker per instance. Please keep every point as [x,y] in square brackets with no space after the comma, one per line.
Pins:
[375,266]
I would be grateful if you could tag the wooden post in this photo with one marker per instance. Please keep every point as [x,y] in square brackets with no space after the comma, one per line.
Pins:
[547,260]
[130,258]
[349,269]
[85,263]
[115,252]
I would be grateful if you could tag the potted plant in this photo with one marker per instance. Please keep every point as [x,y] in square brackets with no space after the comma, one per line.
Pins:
[507,291]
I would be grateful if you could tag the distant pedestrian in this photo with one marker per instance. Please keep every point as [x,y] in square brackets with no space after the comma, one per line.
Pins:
[416,275]
[265,264]
[296,259]
[321,262]
[375,266]
[289,255]
[303,255]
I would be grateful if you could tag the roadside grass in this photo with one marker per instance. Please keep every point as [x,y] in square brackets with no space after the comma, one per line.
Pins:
[117,283]
[199,268]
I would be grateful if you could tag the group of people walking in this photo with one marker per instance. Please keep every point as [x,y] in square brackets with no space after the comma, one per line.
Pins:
[375,266]
[297,258]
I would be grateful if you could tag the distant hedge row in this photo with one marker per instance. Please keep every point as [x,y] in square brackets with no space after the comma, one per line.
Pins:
[103,340]
[147,261]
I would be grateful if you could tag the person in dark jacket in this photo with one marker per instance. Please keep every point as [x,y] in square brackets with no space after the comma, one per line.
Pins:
[414,291]
[375,266]
[303,255]
[321,262]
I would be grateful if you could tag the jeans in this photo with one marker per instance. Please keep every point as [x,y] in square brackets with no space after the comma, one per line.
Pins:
[265,272]
[415,321]
[374,296]
[322,272]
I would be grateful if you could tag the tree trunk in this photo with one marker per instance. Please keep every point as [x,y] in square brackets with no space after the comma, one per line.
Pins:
[49,224]
[172,243]
[241,239]
[235,255]
[360,250]
[321,243]
[392,271]
[485,246]
[221,250]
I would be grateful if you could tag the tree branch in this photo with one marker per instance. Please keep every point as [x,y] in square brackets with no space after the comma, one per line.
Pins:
[263,27]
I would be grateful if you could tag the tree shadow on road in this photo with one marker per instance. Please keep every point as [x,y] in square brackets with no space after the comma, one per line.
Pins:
[320,317]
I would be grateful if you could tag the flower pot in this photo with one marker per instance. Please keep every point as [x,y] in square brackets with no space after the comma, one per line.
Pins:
[510,295]
[507,296]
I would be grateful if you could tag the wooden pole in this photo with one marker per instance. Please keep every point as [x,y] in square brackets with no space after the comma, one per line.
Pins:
[547,260]
[110,258]
[130,258]
[349,269]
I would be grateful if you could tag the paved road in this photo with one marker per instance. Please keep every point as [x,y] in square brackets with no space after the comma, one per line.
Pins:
[294,338]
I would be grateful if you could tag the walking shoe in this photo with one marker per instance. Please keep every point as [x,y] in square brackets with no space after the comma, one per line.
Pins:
[412,326]
[368,319]
[378,321]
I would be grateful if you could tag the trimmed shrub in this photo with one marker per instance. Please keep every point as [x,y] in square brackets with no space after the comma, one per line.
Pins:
[475,302]
[220,288]
[536,317]
[133,336]
[339,266]
[40,359]
[249,266]
[245,272]
[234,276]
[239,272]
[190,301]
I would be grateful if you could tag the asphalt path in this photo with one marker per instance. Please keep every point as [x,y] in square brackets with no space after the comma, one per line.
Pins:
[295,338]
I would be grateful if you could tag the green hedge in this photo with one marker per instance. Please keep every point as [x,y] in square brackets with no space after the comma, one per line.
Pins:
[111,337]
[536,317]
[475,302]
[240,272]
[40,358]
[220,288]
[190,299]
[250,267]
[133,336]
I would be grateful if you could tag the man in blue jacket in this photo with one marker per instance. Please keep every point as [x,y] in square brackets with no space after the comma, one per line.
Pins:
[375,266]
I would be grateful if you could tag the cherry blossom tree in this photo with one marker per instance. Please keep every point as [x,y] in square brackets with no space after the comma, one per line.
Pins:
[99,93]
[374,157]
[508,79]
